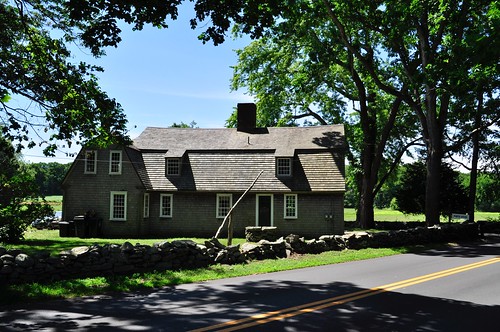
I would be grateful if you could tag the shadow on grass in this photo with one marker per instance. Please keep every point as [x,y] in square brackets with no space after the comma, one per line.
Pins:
[102,285]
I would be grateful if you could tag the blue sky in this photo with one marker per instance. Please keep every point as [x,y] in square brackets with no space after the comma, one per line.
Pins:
[165,76]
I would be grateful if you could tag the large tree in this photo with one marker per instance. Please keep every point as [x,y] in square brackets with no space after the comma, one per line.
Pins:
[410,194]
[415,51]
[428,48]
[298,73]
[65,101]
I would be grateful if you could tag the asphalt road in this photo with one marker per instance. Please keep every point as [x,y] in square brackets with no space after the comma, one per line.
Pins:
[454,289]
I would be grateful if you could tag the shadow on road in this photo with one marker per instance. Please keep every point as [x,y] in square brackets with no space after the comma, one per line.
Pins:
[194,306]
[489,245]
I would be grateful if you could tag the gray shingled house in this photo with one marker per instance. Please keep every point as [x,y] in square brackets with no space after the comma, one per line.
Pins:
[183,181]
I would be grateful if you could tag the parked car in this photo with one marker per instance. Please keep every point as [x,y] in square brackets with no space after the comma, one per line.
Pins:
[48,222]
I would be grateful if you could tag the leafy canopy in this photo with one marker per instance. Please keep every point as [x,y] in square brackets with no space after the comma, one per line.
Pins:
[19,196]
[64,98]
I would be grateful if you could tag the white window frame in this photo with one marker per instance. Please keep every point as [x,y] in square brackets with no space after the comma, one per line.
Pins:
[287,209]
[170,206]
[112,206]
[283,170]
[177,166]
[218,205]
[112,162]
[88,160]
[145,213]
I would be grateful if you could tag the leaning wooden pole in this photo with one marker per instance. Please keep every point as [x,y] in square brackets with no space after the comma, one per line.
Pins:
[235,204]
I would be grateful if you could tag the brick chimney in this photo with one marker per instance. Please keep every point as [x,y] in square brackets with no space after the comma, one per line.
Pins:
[247,117]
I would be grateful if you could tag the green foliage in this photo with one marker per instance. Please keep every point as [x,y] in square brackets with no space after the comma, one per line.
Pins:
[192,124]
[49,176]
[66,99]
[410,195]
[488,192]
[19,196]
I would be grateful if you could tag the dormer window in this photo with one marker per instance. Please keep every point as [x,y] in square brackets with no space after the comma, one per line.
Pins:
[283,166]
[173,166]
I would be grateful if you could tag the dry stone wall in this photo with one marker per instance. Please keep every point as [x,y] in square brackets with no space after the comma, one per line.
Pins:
[113,259]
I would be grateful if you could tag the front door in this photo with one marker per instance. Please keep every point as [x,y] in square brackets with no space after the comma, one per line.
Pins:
[264,210]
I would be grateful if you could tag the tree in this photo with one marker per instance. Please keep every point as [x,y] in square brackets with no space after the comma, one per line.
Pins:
[66,99]
[49,176]
[488,192]
[192,124]
[410,194]
[416,52]
[298,73]
[19,196]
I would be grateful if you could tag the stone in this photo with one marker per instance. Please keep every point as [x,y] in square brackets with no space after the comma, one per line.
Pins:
[127,247]
[24,260]
[79,251]
[214,243]
[6,269]
[7,258]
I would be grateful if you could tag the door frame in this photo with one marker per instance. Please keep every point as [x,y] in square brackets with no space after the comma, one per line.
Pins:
[257,196]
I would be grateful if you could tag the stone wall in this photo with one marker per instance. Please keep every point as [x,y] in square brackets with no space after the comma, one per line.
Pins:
[114,259]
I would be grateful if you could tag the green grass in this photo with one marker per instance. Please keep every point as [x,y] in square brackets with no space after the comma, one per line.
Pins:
[393,215]
[104,285]
[55,201]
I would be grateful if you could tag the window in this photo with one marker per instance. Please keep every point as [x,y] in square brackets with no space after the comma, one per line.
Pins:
[146,206]
[118,206]
[283,166]
[115,162]
[290,206]
[166,205]
[173,166]
[224,203]
[90,162]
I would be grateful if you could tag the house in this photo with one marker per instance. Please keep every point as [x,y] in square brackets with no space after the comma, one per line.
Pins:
[183,181]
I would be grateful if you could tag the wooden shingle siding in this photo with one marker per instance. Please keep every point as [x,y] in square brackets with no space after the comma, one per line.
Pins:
[194,214]
[91,192]
[216,161]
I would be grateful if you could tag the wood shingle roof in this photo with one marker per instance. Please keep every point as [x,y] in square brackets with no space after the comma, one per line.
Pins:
[229,160]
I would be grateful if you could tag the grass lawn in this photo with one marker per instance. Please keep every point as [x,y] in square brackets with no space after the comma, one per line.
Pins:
[49,240]
[55,202]
[25,293]
[393,215]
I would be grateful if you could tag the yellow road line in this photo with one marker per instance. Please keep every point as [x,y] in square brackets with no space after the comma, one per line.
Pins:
[322,304]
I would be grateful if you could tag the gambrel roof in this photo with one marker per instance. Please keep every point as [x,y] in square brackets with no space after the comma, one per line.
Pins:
[228,160]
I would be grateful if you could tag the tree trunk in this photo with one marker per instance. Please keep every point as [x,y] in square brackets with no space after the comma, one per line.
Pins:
[475,159]
[366,215]
[366,197]
[433,185]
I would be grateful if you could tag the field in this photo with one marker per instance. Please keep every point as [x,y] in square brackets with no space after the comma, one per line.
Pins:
[393,215]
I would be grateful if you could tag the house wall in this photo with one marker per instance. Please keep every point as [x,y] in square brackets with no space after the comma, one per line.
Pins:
[85,192]
[194,215]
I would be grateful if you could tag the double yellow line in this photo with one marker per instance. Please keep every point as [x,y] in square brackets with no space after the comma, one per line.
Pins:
[333,301]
